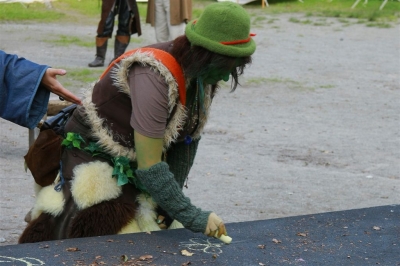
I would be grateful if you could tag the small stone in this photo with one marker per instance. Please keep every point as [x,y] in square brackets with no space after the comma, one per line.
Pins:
[2,240]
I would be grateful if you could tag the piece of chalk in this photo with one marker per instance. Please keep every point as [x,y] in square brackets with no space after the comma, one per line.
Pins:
[225,239]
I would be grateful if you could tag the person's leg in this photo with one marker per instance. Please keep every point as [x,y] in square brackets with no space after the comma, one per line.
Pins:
[173,30]
[104,32]
[123,33]
[176,31]
[101,49]
[161,20]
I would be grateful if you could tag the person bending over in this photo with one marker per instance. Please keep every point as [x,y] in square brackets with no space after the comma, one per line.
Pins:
[132,143]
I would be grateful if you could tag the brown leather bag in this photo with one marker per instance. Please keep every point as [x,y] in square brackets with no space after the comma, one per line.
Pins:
[43,157]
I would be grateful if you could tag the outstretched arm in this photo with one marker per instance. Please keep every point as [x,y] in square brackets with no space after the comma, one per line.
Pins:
[25,90]
[50,82]
[148,150]
[160,183]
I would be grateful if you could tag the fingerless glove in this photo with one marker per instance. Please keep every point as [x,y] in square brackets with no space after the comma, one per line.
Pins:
[165,191]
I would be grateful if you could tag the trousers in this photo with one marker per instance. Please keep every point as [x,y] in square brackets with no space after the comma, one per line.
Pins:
[163,28]
[107,23]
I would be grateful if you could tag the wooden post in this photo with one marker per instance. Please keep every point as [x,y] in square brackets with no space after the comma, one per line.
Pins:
[56,106]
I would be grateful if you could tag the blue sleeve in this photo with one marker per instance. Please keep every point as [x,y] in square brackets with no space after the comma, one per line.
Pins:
[22,99]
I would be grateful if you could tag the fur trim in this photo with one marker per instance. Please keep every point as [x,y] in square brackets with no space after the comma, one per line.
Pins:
[175,125]
[131,227]
[120,77]
[93,183]
[176,225]
[146,215]
[48,201]
[103,134]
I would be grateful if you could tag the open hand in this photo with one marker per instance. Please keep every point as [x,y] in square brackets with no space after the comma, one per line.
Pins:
[51,83]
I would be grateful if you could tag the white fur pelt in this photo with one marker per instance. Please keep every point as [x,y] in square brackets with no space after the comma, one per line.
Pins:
[146,217]
[93,183]
[48,201]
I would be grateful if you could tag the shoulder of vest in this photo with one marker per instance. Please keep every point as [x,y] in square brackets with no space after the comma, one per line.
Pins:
[164,58]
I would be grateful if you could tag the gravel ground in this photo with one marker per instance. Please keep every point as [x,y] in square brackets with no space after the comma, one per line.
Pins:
[314,127]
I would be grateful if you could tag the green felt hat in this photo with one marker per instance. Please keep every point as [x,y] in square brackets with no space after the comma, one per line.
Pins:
[223,28]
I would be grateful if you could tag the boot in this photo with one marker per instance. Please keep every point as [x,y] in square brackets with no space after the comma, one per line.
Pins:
[101,49]
[121,43]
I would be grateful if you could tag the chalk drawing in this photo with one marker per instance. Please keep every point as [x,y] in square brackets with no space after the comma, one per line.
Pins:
[26,260]
[203,244]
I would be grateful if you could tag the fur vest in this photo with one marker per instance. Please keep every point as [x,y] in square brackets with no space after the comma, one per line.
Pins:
[108,107]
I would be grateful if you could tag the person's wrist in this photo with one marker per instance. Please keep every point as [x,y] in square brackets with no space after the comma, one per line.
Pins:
[199,224]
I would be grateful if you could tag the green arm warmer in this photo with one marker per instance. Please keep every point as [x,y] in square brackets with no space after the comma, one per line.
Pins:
[164,189]
[180,157]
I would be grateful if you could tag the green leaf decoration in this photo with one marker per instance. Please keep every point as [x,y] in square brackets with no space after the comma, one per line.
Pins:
[73,140]
[122,180]
[93,147]
[129,173]
[76,143]
[123,169]
[70,136]
[115,171]
[65,142]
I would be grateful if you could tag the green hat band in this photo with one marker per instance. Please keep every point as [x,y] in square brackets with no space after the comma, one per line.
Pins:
[223,28]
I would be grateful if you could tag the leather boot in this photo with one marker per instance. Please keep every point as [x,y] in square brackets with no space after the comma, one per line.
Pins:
[101,49]
[121,43]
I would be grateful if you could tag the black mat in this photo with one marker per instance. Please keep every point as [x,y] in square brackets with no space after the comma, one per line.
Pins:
[368,236]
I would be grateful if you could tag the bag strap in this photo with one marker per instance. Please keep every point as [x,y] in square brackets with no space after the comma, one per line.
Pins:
[166,59]
[59,119]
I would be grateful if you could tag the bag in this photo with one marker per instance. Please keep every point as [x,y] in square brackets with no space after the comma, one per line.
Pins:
[43,157]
